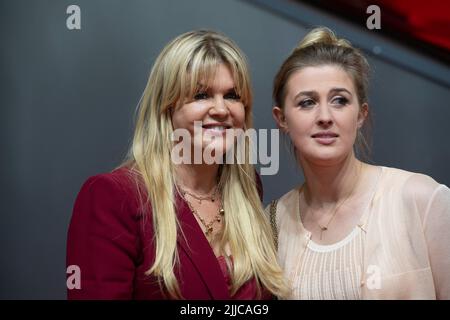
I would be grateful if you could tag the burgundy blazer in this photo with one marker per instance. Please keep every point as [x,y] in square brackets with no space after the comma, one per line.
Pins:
[111,241]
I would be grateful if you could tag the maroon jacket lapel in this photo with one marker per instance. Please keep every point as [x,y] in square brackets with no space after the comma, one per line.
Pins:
[200,252]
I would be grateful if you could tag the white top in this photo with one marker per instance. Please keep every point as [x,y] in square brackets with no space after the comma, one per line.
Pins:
[406,250]
[331,272]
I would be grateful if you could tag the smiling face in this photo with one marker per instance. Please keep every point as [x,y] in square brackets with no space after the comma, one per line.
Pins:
[219,109]
[321,113]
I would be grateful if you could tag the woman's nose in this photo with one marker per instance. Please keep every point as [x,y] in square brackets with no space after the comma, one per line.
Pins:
[219,108]
[324,118]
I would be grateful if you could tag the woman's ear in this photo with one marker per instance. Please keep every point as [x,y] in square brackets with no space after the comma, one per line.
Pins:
[280,119]
[362,116]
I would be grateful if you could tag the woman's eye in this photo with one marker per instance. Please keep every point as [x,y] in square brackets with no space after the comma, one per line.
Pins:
[342,101]
[306,103]
[201,96]
[232,96]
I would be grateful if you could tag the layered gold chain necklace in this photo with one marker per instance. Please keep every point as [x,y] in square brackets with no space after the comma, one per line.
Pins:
[212,197]
[209,226]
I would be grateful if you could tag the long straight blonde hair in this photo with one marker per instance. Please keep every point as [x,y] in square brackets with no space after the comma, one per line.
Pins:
[175,76]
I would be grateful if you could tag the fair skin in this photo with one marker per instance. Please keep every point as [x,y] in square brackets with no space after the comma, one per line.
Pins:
[219,108]
[321,115]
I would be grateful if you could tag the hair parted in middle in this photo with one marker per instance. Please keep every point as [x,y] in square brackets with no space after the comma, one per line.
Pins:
[186,61]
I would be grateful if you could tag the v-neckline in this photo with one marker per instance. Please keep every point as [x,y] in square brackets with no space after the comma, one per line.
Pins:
[196,245]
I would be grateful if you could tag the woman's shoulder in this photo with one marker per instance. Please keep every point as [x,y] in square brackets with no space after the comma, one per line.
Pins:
[409,179]
[390,174]
[395,177]
[285,202]
[119,187]
[122,179]
[413,186]
[289,196]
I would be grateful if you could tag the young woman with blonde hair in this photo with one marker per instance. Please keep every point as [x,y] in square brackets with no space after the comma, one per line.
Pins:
[155,228]
[352,230]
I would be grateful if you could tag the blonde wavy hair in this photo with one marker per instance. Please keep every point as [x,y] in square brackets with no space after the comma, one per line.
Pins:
[175,76]
[322,47]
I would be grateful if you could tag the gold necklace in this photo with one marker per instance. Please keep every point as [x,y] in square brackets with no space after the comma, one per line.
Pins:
[212,197]
[325,227]
[208,226]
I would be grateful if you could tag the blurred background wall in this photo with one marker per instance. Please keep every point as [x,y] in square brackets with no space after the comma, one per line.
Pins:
[68,98]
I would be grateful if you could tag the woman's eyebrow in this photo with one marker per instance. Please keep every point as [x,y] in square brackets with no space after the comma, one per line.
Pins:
[334,90]
[305,93]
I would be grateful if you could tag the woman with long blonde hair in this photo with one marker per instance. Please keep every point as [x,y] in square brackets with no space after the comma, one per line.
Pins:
[157,227]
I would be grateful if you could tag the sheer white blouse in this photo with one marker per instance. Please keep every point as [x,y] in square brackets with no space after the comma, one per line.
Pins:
[407,242]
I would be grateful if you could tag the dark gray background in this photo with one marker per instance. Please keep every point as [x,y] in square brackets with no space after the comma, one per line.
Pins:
[68,99]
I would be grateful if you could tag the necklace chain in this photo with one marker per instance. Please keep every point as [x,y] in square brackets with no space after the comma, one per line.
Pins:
[201,198]
[336,208]
[209,226]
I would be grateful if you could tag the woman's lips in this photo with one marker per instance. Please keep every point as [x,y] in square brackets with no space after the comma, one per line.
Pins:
[216,130]
[325,138]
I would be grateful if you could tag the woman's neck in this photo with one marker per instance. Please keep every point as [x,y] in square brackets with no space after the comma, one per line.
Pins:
[200,178]
[329,184]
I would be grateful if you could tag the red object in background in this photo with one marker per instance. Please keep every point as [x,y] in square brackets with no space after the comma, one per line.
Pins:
[426,20]
[422,25]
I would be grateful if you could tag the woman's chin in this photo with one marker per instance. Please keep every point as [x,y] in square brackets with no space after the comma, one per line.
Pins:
[327,158]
